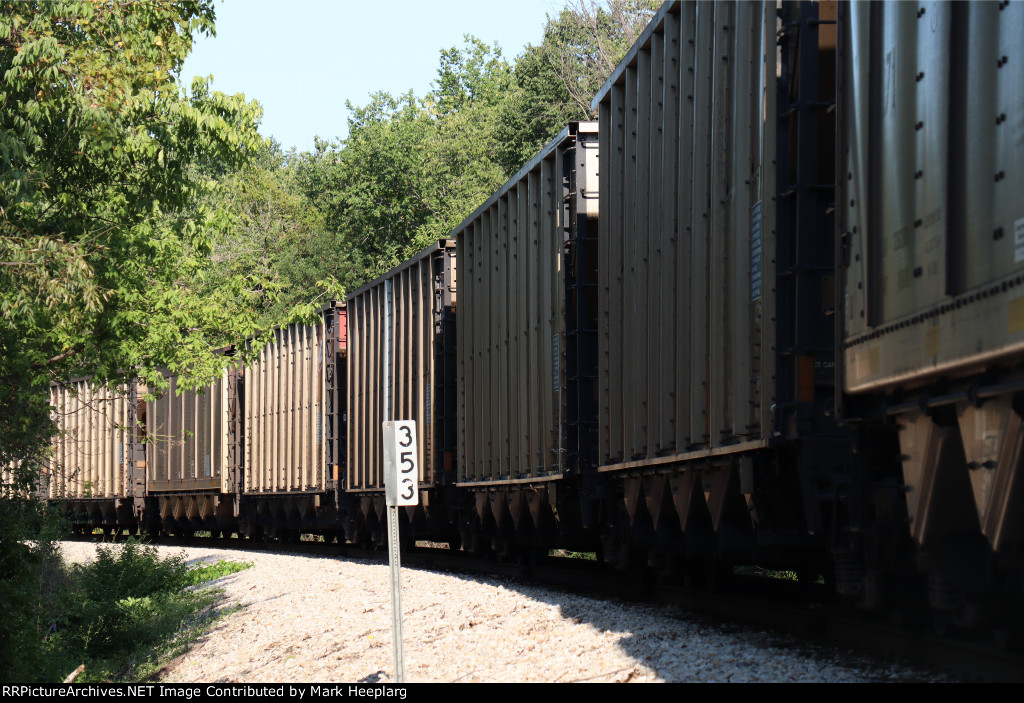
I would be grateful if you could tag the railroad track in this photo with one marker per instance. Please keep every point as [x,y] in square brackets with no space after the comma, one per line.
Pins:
[805,610]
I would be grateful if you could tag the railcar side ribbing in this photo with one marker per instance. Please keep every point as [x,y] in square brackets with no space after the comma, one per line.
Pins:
[401,366]
[716,278]
[527,352]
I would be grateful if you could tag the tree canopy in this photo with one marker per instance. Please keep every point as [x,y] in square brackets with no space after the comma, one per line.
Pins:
[105,176]
[411,168]
[554,81]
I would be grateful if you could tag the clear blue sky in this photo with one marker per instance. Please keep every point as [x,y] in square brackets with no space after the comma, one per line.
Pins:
[302,59]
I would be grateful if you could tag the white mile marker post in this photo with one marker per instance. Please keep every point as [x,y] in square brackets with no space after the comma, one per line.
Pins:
[401,486]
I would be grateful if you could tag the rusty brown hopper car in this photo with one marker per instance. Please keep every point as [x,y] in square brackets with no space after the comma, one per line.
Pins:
[94,470]
[527,405]
[401,366]
[291,428]
[192,467]
[931,220]
[715,342]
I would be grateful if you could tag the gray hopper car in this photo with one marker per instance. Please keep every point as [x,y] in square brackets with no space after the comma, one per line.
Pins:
[715,346]
[527,293]
[256,452]
[931,224]
[191,466]
[291,441]
[96,470]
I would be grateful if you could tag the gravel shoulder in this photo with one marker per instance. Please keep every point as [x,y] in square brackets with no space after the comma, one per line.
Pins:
[325,620]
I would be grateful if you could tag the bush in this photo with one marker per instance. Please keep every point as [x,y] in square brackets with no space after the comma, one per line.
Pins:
[127,598]
[31,575]
[130,570]
[121,615]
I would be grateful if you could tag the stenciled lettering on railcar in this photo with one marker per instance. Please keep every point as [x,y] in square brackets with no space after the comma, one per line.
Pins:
[902,238]
[904,277]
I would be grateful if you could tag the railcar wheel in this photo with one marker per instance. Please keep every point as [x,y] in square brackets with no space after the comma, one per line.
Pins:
[504,550]
[480,546]
[943,623]
[254,532]
[536,555]
[406,541]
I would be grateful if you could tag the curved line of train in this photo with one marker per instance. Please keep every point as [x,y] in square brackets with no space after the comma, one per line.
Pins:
[767,309]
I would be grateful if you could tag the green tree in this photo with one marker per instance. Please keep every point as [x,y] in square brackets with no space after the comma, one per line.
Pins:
[554,82]
[411,169]
[104,234]
[103,254]
[460,167]
[275,236]
[382,202]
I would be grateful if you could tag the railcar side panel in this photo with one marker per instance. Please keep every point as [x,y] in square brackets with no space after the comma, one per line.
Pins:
[512,322]
[681,346]
[188,437]
[931,159]
[931,219]
[404,316]
[93,452]
[284,391]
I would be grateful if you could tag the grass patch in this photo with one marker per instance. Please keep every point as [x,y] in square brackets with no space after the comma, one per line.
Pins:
[129,611]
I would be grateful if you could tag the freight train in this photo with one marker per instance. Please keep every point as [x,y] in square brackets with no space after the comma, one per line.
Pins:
[767,310]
